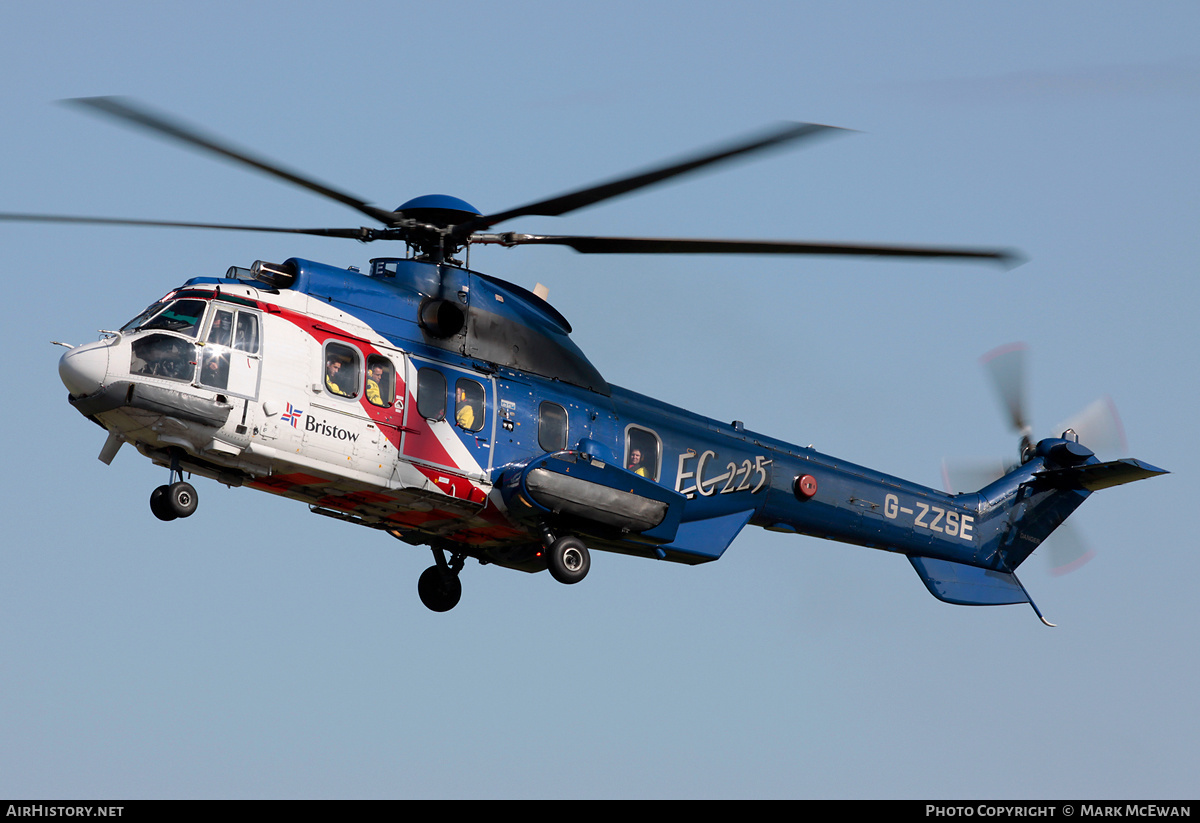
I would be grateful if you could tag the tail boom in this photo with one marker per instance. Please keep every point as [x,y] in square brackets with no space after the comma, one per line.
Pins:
[965,547]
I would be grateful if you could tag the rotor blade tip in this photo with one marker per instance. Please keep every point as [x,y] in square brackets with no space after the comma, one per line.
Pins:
[1010,259]
[1007,348]
[98,102]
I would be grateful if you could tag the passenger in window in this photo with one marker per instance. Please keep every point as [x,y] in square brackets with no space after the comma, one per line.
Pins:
[246,338]
[333,366]
[220,331]
[376,387]
[215,372]
[464,413]
[160,355]
[636,465]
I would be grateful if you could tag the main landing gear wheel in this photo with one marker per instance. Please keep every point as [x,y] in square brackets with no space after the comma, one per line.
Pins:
[569,560]
[159,505]
[176,500]
[440,590]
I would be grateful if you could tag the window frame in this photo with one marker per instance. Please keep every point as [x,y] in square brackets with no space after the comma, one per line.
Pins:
[387,386]
[422,373]
[542,428]
[355,381]
[478,409]
[643,432]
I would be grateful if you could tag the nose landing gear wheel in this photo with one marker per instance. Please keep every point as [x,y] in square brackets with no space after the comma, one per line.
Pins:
[569,560]
[439,590]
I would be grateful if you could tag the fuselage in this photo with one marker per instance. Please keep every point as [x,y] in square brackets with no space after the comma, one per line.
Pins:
[428,401]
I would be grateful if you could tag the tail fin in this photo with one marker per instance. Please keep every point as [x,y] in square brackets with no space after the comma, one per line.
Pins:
[1017,513]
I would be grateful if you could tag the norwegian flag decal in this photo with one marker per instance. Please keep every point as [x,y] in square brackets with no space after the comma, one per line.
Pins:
[292,416]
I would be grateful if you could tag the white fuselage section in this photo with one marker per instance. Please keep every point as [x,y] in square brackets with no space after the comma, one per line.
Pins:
[290,395]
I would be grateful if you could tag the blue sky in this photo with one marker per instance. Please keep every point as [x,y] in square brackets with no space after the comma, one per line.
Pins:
[255,650]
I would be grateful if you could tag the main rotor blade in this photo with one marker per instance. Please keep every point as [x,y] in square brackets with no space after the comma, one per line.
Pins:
[355,234]
[668,245]
[129,112]
[570,201]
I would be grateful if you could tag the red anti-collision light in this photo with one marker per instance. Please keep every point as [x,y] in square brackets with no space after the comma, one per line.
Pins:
[805,486]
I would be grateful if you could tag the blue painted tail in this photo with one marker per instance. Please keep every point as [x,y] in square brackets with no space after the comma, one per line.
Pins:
[1018,512]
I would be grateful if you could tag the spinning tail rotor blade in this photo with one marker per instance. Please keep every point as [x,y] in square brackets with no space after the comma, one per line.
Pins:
[1065,551]
[1099,428]
[1006,367]
[959,476]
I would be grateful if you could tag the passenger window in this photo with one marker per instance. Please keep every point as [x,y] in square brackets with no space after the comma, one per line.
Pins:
[468,404]
[381,381]
[431,394]
[552,427]
[642,452]
[341,370]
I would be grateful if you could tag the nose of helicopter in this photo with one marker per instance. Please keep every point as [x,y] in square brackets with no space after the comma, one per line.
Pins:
[83,368]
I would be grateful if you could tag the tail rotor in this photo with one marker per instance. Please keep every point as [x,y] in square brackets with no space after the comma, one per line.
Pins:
[1098,427]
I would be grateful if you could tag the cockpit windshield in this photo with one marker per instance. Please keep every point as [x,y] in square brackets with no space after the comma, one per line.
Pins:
[179,316]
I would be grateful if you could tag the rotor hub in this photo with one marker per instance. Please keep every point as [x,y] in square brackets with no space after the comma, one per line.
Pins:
[439,210]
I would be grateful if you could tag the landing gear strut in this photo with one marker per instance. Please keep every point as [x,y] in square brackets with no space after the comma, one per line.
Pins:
[176,499]
[439,586]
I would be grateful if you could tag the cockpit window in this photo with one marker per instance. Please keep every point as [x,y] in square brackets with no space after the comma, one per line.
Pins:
[163,355]
[181,316]
[136,322]
[214,366]
[246,338]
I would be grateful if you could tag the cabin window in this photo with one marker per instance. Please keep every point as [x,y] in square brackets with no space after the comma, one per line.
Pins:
[342,371]
[431,394]
[552,427]
[468,404]
[163,355]
[381,381]
[643,452]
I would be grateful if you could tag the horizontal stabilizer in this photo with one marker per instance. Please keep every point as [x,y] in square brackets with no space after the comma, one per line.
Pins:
[1098,476]
[966,585]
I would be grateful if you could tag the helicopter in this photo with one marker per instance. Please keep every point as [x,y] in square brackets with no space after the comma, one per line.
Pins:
[451,409]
